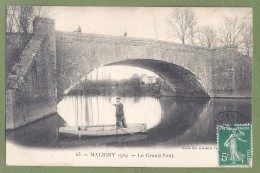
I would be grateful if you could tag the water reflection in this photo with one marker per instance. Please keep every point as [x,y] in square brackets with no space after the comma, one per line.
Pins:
[171,121]
[82,110]
[41,133]
[179,115]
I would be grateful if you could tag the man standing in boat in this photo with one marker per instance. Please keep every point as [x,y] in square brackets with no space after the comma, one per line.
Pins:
[120,115]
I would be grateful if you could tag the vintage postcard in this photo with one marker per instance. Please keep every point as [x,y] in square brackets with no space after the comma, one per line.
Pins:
[129,86]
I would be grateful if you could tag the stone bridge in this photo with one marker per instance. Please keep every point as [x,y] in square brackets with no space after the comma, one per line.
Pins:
[53,61]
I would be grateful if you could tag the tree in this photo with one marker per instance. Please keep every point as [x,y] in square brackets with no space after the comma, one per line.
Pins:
[192,36]
[182,25]
[247,39]
[25,18]
[229,32]
[135,79]
[41,11]
[207,37]
[11,19]
[19,18]
[232,32]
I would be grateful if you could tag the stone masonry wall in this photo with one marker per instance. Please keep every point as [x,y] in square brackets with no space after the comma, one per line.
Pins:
[15,44]
[31,83]
[217,70]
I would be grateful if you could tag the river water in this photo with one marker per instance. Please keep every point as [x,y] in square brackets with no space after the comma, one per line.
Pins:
[170,121]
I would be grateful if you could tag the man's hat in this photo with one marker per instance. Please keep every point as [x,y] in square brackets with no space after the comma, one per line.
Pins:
[118,98]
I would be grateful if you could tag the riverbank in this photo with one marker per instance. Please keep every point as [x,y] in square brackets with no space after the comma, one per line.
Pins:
[126,90]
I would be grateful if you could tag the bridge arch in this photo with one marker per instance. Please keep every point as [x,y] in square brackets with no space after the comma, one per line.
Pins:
[181,82]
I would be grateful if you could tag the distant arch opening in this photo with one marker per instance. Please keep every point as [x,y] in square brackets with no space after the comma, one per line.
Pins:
[180,82]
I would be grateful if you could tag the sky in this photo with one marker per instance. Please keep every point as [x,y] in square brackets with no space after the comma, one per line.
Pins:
[138,22]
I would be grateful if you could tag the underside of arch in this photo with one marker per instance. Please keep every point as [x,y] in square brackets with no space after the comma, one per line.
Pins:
[182,82]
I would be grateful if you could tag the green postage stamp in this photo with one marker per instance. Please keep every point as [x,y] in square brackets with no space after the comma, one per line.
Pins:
[235,145]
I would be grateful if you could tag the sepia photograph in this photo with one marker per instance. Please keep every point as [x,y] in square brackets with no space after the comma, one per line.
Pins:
[129,86]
